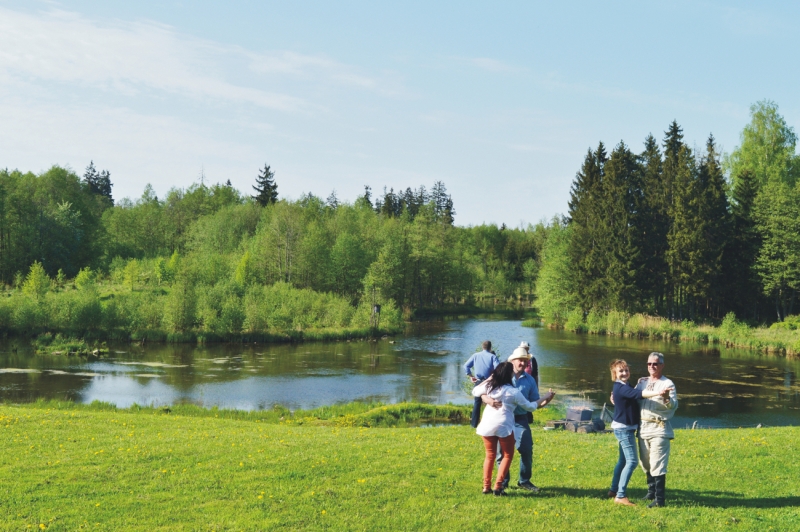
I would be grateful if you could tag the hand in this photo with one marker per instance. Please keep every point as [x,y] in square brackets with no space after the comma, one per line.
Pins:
[665,394]
[488,401]
[473,379]
[612,399]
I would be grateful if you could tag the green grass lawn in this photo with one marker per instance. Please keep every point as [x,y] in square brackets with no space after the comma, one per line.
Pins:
[72,467]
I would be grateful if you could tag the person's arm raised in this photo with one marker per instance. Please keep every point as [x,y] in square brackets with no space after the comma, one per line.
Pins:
[664,394]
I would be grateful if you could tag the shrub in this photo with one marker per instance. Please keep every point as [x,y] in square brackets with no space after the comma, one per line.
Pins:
[574,321]
[596,322]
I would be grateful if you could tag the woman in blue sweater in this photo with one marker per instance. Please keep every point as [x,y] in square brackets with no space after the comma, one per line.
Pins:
[626,420]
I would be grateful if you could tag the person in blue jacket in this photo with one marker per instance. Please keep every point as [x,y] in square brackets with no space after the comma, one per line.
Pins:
[482,364]
[626,420]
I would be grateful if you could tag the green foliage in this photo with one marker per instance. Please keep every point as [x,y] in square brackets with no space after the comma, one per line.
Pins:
[575,321]
[37,283]
[767,148]
[555,292]
[85,279]
[180,307]
[131,273]
[596,322]
[777,213]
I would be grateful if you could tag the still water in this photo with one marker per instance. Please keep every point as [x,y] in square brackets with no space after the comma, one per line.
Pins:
[716,387]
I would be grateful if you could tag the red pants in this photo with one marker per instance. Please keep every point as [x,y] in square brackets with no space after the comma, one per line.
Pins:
[507,446]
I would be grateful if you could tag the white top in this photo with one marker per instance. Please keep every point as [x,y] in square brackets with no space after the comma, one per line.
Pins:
[500,421]
[656,413]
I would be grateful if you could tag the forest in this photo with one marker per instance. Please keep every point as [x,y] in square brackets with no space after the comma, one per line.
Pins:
[681,232]
[212,262]
[676,232]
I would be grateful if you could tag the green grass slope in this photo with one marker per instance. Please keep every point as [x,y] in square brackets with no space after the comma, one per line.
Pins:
[72,468]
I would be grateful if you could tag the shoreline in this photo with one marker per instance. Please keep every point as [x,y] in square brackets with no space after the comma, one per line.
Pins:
[731,333]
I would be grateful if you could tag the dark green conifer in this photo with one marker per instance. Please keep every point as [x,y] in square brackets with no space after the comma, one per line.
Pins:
[585,247]
[265,187]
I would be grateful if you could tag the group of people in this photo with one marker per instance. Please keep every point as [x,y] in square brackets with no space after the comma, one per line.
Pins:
[510,391]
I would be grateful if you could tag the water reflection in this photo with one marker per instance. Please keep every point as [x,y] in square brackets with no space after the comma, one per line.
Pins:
[715,386]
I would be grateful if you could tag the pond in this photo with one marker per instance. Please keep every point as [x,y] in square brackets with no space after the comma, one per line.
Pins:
[716,387]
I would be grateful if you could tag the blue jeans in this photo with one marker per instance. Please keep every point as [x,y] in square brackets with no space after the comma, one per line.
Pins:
[524,446]
[626,463]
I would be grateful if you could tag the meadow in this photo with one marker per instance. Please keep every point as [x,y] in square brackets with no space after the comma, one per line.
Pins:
[75,467]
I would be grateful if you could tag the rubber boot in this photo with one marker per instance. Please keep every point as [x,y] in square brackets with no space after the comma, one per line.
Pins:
[659,501]
[651,488]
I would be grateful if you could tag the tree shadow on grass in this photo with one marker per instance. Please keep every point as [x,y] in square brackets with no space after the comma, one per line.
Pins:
[711,499]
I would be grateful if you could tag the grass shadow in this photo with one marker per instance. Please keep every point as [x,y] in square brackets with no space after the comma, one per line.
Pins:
[711,499]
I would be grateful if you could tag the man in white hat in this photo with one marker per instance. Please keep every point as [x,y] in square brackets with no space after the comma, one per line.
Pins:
[532,368]
[522,429]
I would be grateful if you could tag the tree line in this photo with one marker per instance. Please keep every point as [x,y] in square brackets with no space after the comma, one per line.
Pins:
[681,232]
[210,259]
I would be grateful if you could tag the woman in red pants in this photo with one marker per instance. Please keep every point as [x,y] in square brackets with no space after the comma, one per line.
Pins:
[497,424]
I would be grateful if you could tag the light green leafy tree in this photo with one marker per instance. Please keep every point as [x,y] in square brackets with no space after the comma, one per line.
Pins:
[767,147]
[131,273]
[37,283]
[243,274]
[85,279]
[555,290]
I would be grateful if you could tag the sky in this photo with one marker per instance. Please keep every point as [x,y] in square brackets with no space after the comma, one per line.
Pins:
[498,100]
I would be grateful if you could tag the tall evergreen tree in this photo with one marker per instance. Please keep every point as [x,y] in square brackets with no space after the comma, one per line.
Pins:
[621,195]
[265,187]
[653,226]
[585,211]
[741,280]
[99,184]
[682,232]
[713,225]
[674,163]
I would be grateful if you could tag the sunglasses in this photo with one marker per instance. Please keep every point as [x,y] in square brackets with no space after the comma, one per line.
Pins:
[654,363]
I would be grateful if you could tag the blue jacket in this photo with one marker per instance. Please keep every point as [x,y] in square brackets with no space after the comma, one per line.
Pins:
[482,363]
[626,404]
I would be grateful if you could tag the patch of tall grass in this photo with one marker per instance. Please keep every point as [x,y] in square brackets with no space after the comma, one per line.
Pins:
[224,312]
[779,338]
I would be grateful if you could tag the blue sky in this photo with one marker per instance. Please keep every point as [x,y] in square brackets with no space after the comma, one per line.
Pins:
[498,100]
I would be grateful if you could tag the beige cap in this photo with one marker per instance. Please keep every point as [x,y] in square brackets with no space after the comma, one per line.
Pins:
[519,353]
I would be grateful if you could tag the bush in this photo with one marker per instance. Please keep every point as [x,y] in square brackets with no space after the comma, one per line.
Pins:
[596,322]
[574,321]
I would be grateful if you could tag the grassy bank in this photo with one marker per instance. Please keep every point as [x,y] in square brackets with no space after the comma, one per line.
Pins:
[106,469]
[85,315]
[779,338]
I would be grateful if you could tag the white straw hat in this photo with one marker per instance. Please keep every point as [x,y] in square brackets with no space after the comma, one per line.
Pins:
[519,353]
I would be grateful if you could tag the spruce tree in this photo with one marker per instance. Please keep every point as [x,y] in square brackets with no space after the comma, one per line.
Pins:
[741,279]
[618,229]
[265,187]
[653,226]
[585,247]
[99,184]
[673,164]
[712,225]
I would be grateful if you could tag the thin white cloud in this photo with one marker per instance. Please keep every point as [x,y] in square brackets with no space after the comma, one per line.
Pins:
[130,57]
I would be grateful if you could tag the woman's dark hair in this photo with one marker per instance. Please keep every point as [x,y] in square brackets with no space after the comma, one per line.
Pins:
[502,375]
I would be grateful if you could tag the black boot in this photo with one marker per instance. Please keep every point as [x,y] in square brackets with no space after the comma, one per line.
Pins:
[659,501]
[651,488]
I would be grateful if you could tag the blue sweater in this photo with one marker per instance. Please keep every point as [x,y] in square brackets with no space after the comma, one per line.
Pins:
[626,404]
